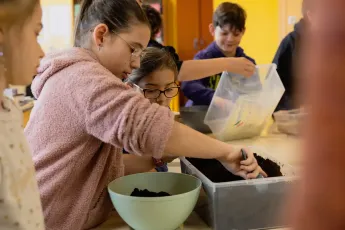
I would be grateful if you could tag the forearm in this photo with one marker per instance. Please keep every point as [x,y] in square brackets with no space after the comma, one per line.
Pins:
[137,164]
[185,141]
[197,69]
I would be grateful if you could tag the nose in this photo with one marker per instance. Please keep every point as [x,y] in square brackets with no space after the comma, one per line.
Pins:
[230,37]
[135,64]
[161,99]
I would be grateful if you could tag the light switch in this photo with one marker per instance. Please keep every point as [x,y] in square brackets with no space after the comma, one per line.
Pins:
[292,20]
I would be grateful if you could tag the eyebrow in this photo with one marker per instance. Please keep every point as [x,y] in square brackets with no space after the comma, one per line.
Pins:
[171,83]
[137,44]
[151,84]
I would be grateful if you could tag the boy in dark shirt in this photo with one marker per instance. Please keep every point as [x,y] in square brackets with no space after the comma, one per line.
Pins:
[228,28]
[287,57]
[196,69]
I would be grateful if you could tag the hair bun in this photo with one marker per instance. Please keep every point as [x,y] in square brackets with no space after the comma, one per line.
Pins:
[171,50]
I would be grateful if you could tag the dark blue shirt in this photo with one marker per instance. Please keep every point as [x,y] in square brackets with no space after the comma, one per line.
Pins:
[200,92]
[286,60]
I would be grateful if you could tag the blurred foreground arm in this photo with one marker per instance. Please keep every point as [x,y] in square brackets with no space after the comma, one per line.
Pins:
[320,198]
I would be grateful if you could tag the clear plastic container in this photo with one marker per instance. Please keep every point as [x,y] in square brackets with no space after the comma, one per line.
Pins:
[241,106]
[242,205]
[288,121]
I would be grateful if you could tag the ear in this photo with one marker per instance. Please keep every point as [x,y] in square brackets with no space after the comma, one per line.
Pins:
[99,34]
[244,31]
[309,16]
[211,29]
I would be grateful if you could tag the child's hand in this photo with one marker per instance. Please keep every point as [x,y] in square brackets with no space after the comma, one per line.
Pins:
[241,66]
[168,159]
[248,169]
[129,85]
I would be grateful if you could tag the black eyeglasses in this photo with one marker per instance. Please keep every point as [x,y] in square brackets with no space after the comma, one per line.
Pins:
[155,93]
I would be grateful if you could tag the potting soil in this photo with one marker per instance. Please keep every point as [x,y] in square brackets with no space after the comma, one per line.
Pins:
[146,193]
[216,172]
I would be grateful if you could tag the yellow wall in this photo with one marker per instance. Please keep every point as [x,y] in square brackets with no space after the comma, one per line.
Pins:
[288,8]
[170,37]
[169,19]
[262,36]
[53,37]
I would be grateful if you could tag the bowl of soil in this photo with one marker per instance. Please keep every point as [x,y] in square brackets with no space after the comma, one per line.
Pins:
[155,201]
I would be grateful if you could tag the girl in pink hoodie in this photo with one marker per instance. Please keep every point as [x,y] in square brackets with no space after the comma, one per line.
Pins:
[85,116]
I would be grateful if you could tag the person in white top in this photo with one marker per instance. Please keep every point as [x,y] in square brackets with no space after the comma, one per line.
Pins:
[20,205]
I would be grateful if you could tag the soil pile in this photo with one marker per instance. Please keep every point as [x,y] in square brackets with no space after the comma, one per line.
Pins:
[146,193]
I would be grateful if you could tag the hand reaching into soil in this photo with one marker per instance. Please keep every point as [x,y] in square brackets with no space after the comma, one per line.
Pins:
[248,169]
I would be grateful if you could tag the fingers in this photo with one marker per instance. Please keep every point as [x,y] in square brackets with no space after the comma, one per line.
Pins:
[250,168]
[250,158]
[262,172]
[249,71]
[129,85]
[255,173]
[249,68]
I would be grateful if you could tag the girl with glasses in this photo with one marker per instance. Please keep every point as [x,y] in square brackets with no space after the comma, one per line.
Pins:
[156,80]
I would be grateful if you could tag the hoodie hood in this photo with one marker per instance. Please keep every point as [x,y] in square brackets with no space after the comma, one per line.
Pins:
[57,61]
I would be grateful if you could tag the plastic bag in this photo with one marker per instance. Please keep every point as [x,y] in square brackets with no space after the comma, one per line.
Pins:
[241,106]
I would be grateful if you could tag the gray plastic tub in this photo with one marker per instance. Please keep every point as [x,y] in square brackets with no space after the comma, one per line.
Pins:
[242,205]
[194,117]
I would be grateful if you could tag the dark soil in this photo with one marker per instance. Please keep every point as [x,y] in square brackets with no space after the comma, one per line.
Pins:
[147,193]
[216,172]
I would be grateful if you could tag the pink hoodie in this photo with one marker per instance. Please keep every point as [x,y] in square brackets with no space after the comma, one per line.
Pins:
[82,120]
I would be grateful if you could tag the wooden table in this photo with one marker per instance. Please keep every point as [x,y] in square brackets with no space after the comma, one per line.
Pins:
[283,147]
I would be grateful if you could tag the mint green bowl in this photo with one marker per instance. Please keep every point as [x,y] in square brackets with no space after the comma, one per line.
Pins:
[155,213]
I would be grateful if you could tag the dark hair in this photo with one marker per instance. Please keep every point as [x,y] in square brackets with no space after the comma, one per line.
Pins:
[153,59]
[154,18]
[231,14]
[118,15]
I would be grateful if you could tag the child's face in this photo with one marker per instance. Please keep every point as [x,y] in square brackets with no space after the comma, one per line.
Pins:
[26,52]
[120,53]
[159,80]
[227,40]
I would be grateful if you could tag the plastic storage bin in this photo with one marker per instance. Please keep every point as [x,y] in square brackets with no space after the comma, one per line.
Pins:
[241,106]
[242,205]
[194,117]
[288,121]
